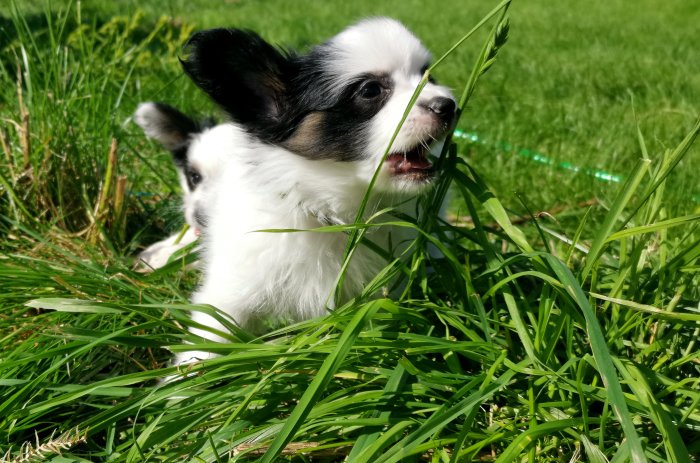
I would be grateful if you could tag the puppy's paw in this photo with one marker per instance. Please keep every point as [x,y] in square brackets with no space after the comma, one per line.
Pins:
[158,254]
[154,257]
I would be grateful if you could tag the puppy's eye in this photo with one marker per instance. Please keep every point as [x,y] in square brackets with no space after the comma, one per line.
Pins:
[371,89]
[194,178]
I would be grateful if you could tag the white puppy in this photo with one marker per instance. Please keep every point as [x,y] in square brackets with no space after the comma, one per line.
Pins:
[307,135]
[175,131]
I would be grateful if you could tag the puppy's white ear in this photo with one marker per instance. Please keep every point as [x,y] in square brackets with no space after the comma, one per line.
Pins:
[167,125]
[241,72]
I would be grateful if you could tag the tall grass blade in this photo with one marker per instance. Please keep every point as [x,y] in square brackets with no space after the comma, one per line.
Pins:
[602,356]
[324,375]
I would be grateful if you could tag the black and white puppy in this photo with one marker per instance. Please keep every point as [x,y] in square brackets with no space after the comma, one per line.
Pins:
[176,132]
[307,134]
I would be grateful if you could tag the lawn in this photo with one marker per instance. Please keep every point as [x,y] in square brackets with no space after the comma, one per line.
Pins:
[560,322]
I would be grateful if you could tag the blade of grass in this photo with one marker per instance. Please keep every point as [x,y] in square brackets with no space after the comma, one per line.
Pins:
[315,389]
[676,450]
[613,216]
[602,356]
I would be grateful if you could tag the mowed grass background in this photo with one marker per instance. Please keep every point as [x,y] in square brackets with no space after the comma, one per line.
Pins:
[517,347]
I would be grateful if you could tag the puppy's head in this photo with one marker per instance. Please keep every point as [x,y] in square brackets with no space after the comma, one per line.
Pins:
[341,102]
[178,133]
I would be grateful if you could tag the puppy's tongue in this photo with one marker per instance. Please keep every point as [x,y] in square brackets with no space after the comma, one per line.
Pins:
[412,161]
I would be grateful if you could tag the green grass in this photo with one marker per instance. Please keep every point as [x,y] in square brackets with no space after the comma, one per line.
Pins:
[529,340]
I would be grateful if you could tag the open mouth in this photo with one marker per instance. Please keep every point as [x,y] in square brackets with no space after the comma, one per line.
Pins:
[413,163]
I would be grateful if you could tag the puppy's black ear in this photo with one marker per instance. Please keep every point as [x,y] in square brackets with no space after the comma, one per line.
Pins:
[241,72]
[169,126]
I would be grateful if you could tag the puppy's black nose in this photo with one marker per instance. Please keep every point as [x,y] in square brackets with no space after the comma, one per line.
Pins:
[442,105]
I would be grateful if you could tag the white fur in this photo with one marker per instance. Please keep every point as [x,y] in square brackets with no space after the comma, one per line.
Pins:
[375,45]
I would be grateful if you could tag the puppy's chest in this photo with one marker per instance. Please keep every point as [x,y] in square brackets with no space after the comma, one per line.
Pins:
[257,249]
[309,265]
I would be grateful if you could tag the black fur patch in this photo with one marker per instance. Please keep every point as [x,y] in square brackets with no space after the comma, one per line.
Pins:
[174,131]
[241,72]
[283,98]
